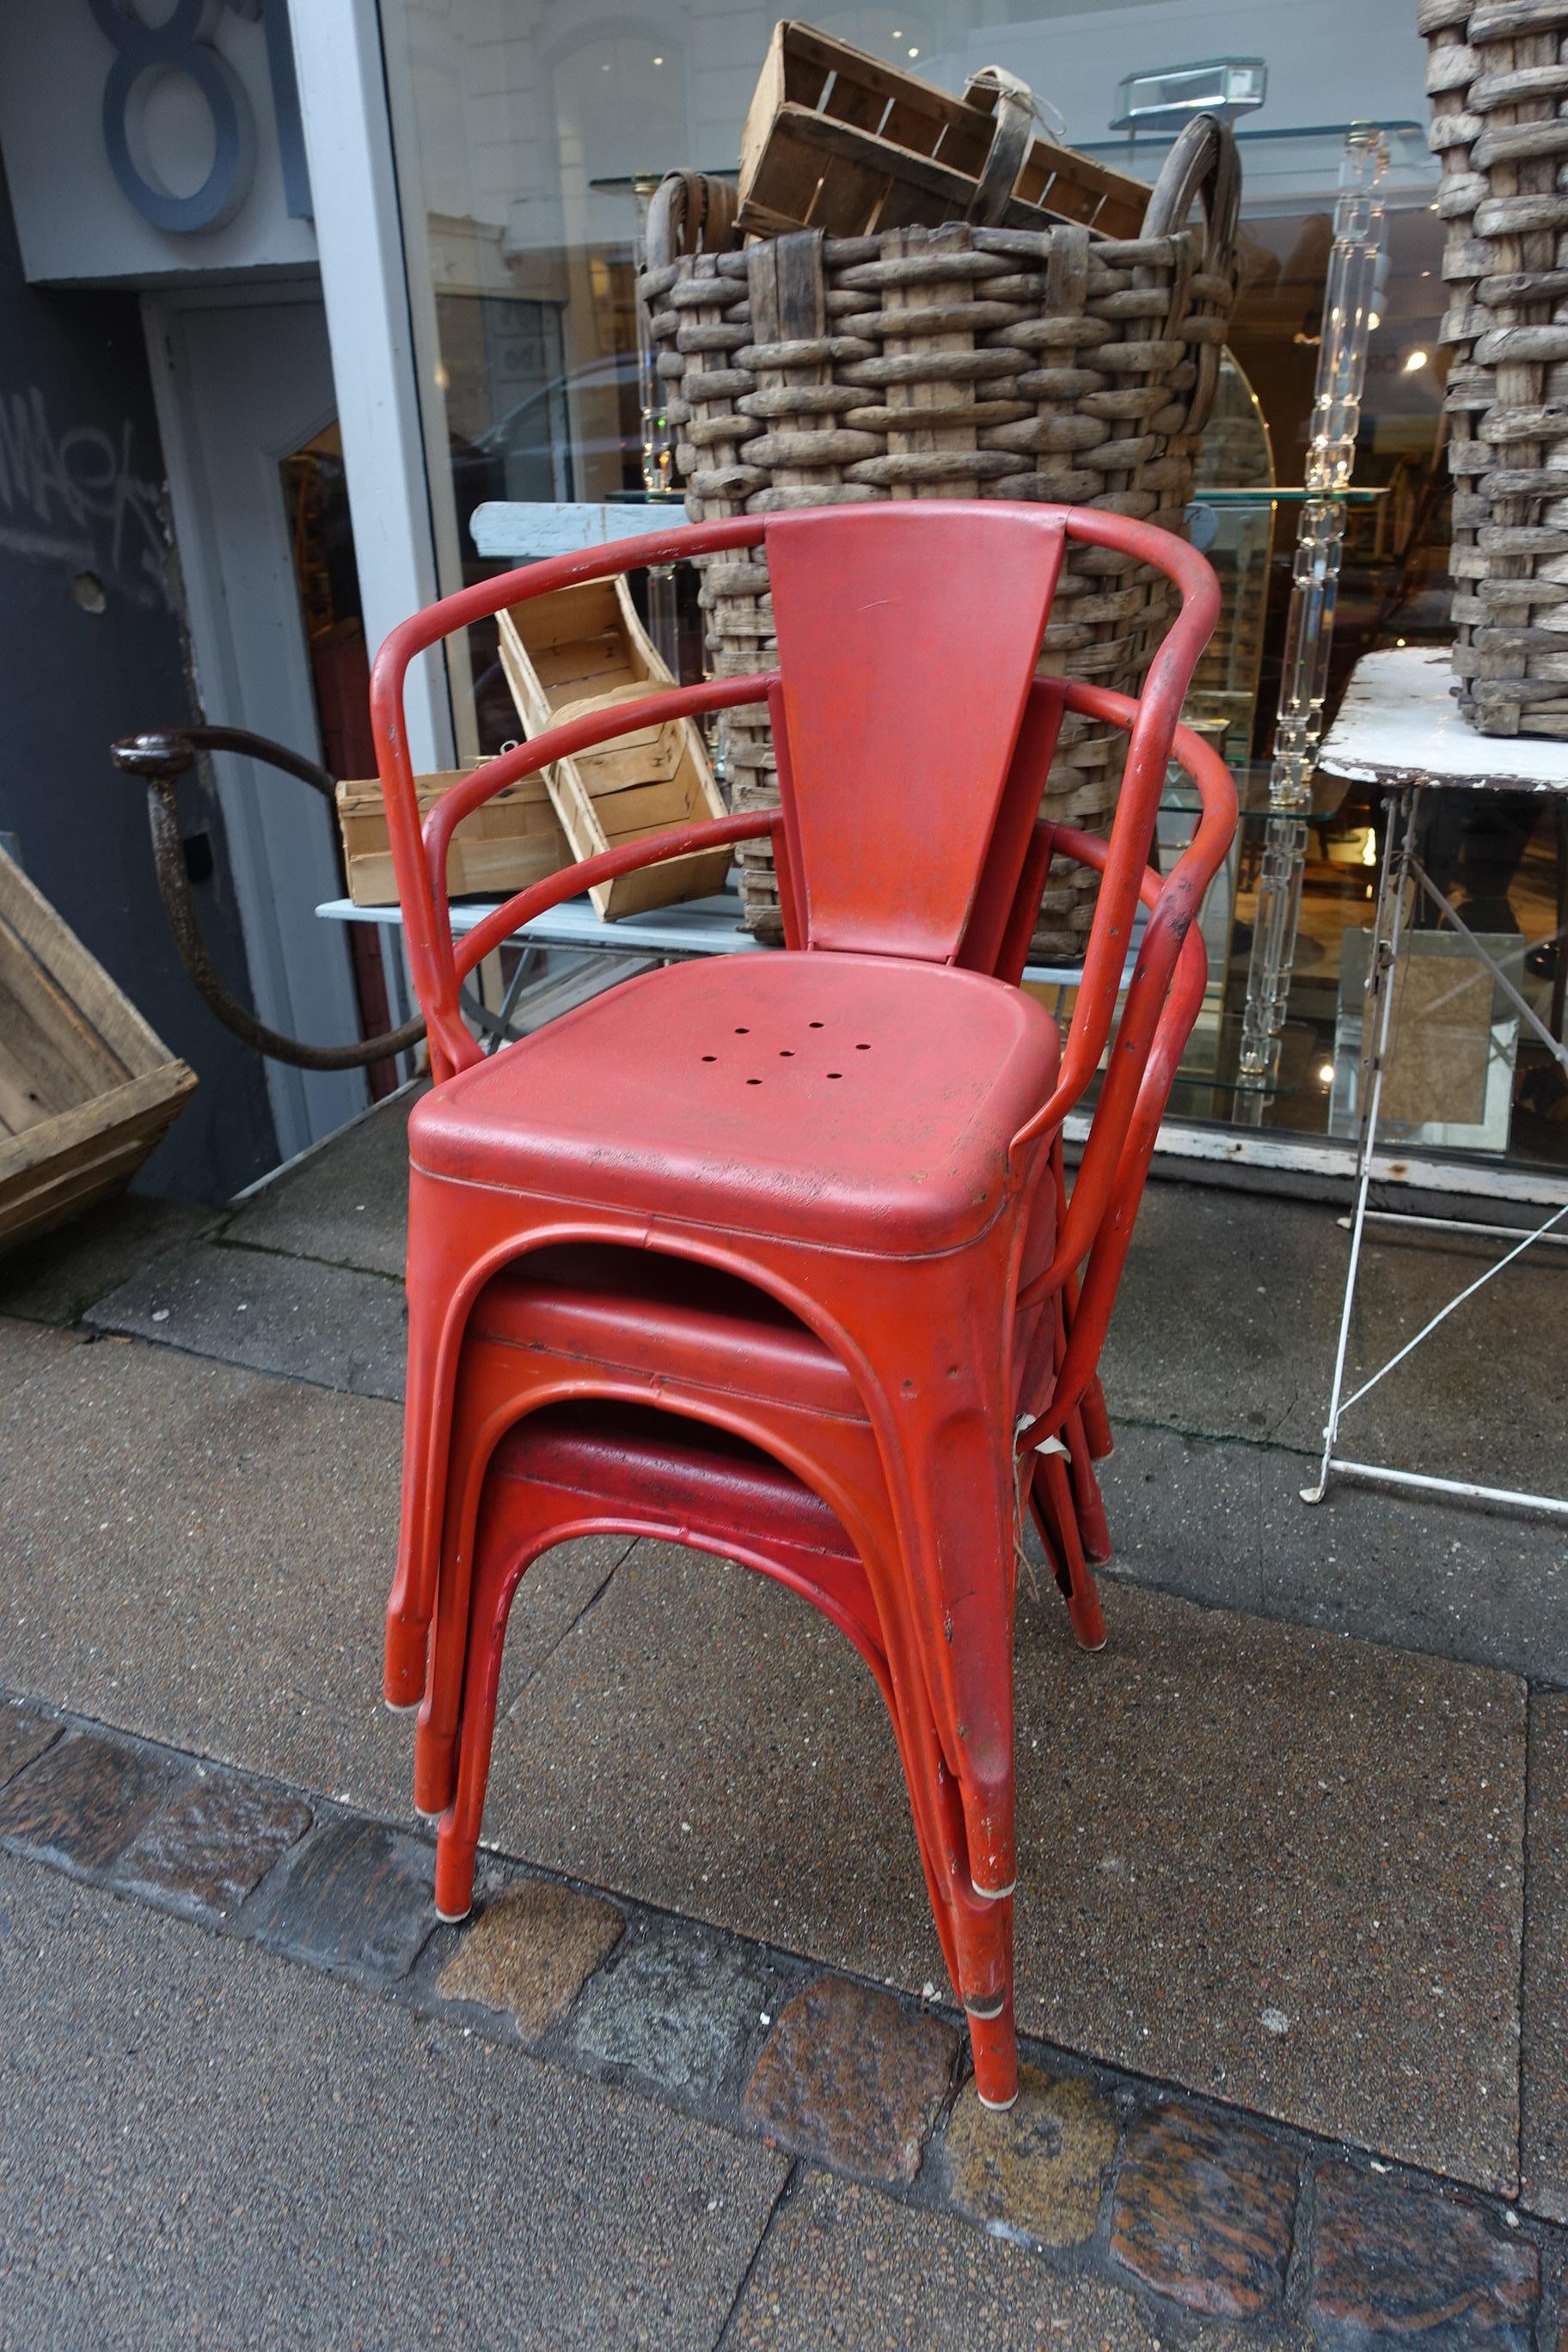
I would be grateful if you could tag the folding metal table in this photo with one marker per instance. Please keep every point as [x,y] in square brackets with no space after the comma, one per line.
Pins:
[1399,731]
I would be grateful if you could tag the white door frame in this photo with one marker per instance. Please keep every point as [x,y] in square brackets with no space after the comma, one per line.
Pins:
[271,852]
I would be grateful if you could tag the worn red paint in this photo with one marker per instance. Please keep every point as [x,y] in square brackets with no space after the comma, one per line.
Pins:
[776,1254]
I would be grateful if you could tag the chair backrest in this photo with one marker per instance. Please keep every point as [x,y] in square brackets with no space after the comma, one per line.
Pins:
[911,750]
[908,635]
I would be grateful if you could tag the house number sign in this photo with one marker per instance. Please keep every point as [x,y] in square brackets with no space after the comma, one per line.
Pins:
[183,44]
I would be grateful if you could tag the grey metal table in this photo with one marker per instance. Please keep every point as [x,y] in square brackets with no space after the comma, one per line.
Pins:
[1399,731]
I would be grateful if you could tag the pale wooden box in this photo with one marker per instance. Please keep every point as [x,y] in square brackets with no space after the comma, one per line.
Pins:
[574,652]
[85,1087]
[511,841]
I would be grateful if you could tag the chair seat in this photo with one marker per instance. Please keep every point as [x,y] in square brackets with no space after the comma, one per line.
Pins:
[857,1100]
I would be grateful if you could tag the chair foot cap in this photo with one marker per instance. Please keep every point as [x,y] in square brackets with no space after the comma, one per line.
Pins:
[430,1817]
[989,2010]
[451,1919]
[401,1706]
[997,2106]
[995,1894]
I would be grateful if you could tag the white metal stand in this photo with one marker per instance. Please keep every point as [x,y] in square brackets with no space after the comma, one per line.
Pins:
[1399,729]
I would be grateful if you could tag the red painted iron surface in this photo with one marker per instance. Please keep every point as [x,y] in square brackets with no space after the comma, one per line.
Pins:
[906,1221]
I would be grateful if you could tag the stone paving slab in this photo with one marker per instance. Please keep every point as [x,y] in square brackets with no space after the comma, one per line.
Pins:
[329,1324]
[1545,2096]
[1284,1868]
[842,2267]
[1227,1318]
[1208,2214]
[26,1348]
[345,1204]
[203,1555]
[24,1733]
[56,1279]
[1224,1523]
[206,2145]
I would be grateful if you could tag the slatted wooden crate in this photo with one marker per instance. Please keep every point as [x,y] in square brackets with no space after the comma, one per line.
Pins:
[841,142]
[86,1088]
[511,841]
[581,650]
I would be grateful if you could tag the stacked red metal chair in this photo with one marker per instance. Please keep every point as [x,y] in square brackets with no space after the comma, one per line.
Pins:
[774,1255]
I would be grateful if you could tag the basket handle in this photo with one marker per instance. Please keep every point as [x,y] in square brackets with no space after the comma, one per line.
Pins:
[1205,165]
[1016,115]
[692,212]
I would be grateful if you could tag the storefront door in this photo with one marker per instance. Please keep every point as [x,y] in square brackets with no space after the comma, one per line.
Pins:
[244,387]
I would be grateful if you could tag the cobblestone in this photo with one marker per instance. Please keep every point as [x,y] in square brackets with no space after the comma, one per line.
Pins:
[210,1849]
[358,1896]
[85,1799]
[530,1951]
[1398,2266]
[848,2076]
[1040,2167]
[1204,2212]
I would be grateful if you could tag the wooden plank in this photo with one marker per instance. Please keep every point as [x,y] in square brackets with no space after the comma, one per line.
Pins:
[56,1167]
[77,978]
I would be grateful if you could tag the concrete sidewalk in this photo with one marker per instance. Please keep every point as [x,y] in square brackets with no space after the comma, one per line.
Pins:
[1293,1842]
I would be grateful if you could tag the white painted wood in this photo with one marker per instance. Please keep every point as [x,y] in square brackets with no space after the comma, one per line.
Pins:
[240,386]
[343,105]
[513,527]
[1399,724]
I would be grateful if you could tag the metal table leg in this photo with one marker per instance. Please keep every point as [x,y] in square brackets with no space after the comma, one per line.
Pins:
[1392,885]
[1400,868]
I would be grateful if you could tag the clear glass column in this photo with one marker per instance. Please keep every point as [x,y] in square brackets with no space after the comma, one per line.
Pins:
[1348,302]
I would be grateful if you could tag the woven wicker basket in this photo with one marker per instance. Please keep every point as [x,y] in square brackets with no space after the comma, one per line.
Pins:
[1498,75]
[953,363]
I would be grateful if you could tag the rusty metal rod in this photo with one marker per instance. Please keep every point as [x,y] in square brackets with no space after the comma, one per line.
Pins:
[160,757]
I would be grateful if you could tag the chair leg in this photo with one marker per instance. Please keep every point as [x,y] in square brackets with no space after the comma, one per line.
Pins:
[1055,1516]
[497,1575]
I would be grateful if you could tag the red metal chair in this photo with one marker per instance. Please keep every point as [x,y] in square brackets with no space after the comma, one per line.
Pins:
[909,1221]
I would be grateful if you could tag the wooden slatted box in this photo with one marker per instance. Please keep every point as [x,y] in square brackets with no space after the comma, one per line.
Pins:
[86,1088]
[575,652]
[844,142]
[511,841]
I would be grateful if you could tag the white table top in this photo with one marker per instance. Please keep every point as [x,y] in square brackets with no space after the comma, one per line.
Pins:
[698,927]
[1399,724]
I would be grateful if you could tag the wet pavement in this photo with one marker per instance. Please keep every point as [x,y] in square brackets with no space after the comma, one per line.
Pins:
[1291,1851]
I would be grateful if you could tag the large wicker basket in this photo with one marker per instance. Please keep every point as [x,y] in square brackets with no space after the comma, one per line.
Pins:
[953,363]
[1497,75]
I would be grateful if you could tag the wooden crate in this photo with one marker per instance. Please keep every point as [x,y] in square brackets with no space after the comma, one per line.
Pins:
[511,841]
[86,1088]
[578,651]
[838,140]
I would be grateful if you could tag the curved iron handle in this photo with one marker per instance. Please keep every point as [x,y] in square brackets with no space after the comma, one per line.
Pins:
[160,757]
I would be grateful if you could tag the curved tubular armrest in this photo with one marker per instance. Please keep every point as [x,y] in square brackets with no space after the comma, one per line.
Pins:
[653,848]
[427,933]
[1109,1254]
[1173,905]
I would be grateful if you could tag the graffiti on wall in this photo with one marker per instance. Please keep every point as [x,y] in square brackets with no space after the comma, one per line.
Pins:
[73,496]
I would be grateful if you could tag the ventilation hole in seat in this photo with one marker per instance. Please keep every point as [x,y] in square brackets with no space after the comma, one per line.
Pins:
[786,1053]
[836,1073]
[862,1049]
[709,1057]
[742,1033]
[814,1024]
[754,1082]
